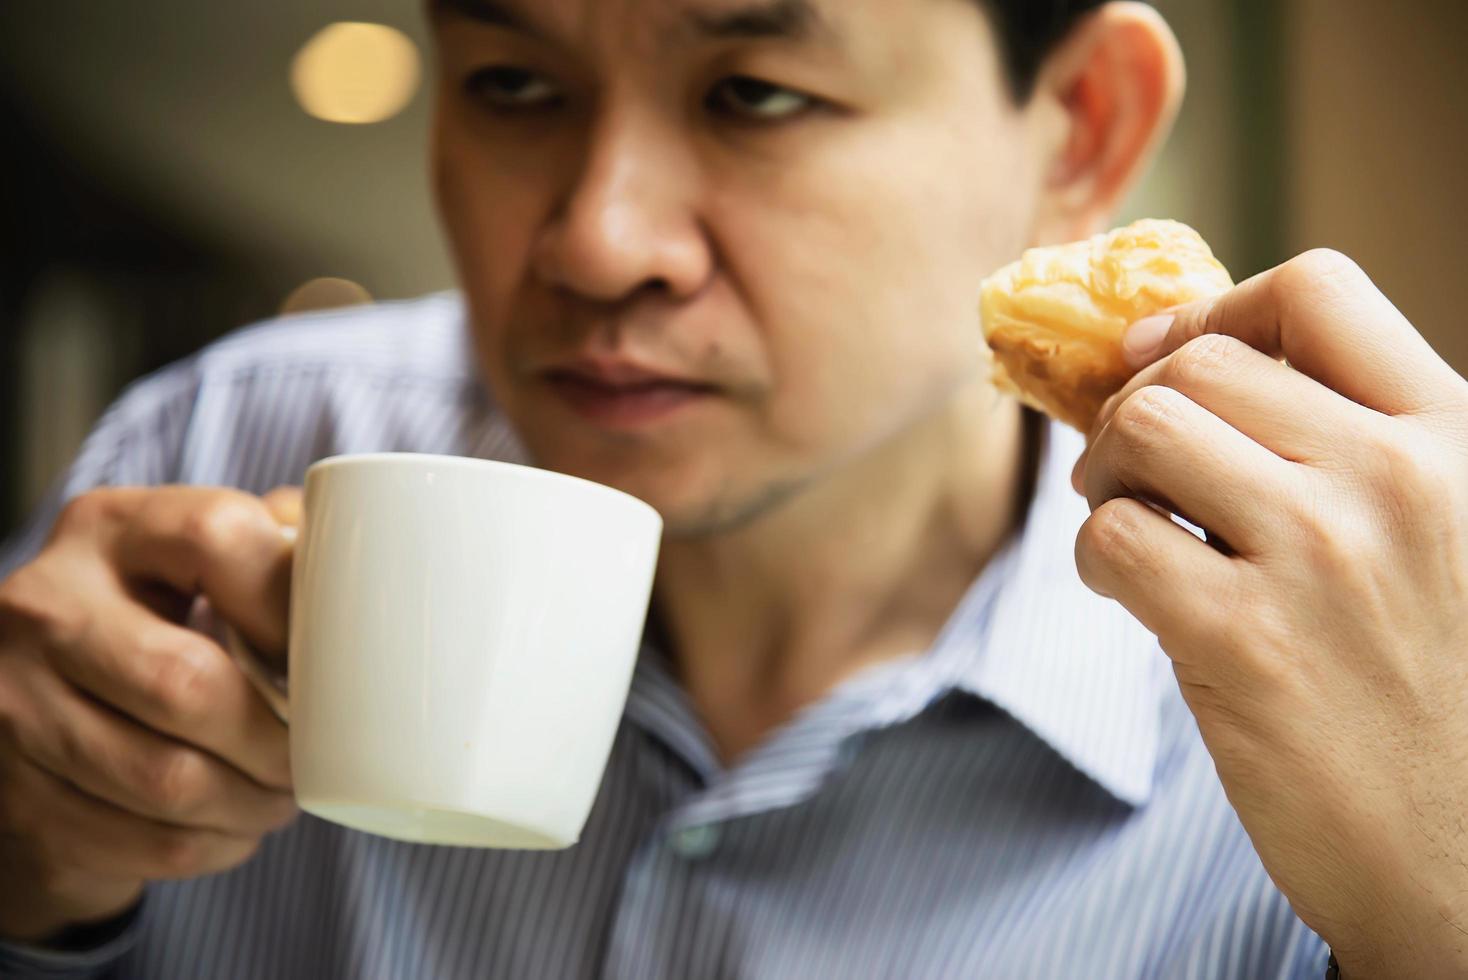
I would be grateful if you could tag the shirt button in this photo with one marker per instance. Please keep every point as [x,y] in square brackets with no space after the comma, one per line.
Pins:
[695,843]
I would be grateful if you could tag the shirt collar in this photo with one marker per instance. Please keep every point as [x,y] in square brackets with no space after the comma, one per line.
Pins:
[1074,668]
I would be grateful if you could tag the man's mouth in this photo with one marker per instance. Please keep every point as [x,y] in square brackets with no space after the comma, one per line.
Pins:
[637,399]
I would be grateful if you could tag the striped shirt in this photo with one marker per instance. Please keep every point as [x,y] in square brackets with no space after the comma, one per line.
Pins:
[1027,798]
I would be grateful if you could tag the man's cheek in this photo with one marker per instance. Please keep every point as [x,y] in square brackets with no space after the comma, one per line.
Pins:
[818,422]
[490,226]
[814,394]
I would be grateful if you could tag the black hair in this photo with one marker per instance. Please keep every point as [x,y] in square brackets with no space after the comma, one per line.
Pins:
[1028,30]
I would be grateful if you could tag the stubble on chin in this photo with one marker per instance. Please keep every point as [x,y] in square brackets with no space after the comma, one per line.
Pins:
[731,510]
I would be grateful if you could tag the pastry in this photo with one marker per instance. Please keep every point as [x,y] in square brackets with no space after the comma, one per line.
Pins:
[1054,319]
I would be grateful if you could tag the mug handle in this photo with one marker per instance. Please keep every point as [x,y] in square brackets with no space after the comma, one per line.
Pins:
[267,678]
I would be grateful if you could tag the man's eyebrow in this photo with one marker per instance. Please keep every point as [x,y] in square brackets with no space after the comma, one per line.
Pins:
[490,12]
[793,20]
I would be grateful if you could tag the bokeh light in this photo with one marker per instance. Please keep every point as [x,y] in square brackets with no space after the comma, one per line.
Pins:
[326,293]
[352,72]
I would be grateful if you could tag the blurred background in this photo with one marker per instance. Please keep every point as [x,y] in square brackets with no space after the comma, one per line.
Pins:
[179,168]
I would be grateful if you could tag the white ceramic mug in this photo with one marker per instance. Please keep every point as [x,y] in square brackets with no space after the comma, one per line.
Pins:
[462,637]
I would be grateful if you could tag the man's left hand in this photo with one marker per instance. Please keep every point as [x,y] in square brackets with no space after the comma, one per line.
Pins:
[1320,636]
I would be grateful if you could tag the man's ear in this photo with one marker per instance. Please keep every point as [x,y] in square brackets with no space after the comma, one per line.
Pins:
[1109,94]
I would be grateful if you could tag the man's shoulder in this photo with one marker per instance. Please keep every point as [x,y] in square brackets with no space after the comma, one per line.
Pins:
[299,365]
[254,408]
[424,337]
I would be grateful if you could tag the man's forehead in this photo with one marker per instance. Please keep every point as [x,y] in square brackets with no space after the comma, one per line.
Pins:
[796,20]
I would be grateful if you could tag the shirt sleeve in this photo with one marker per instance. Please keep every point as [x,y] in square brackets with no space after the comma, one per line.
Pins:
[93,959]
[137,442]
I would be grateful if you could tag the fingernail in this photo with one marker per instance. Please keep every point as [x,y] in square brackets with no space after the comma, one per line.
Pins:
[1143,338]
[1078,472]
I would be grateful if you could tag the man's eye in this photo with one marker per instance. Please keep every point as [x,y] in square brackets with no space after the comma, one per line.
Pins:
[512,88]
[757,100]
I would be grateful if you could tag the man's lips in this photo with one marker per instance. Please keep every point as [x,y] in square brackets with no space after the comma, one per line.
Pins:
[635,399]
[620,373]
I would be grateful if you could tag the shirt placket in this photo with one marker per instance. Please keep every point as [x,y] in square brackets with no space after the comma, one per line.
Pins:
[659,920]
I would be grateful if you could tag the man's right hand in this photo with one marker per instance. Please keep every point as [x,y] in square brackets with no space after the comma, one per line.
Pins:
[132,748]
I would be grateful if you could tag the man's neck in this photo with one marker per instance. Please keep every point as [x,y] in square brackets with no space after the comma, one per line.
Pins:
[865,567]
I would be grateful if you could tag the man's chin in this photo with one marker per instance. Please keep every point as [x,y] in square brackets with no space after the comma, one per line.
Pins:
[713,513]
[692,501]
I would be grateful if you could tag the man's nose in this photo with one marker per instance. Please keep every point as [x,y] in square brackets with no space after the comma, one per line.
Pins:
[628,222]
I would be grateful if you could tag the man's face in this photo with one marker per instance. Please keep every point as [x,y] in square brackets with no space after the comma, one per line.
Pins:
[789,204]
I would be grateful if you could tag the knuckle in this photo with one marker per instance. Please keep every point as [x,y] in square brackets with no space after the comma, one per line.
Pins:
[1203,359]
[1301,514]
[1339,549]
[1323,263]
[1146,415]
[68,749]
[30,603]
[1109,546]
[285,493]
[1317,270]
[88,510]
[224,523]
[1110,533]
[175,780]
[178,685]
[19,600]
[1411,480]
[1405,461]
[17,729]
[1271,666]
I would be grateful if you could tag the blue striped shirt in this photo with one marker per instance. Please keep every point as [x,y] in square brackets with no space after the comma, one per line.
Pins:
[1027,798]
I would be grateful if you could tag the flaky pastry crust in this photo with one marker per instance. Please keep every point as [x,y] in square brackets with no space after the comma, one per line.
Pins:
[1054,319]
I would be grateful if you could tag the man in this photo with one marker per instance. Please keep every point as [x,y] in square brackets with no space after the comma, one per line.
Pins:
[725,256]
